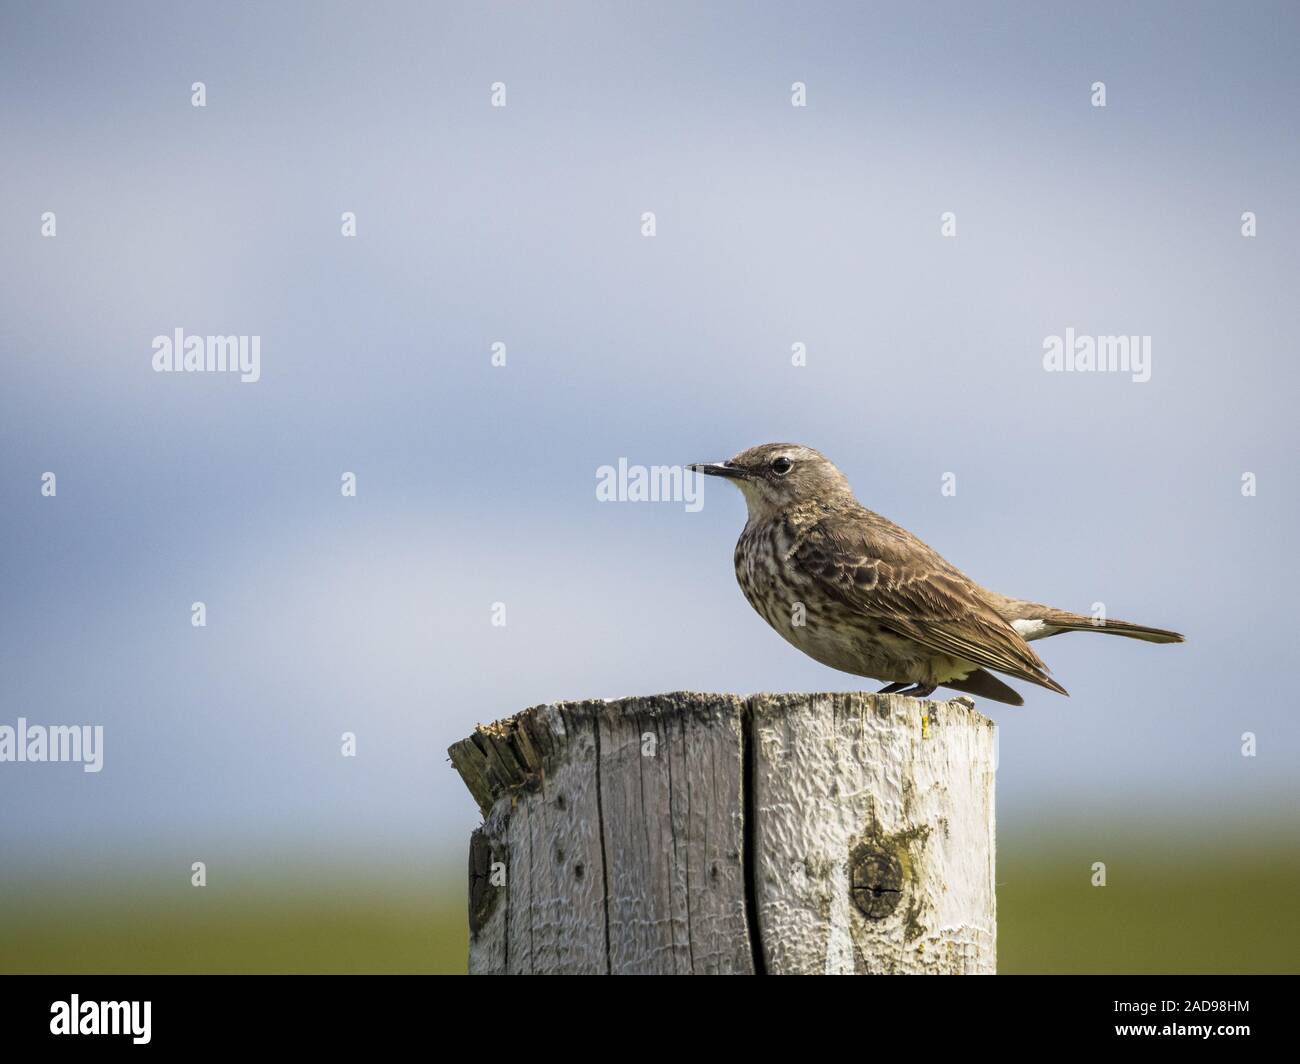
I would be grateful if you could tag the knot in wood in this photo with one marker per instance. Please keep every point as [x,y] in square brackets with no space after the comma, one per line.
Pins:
[877,880]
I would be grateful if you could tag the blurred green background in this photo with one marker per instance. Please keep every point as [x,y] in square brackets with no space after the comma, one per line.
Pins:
[1175,901]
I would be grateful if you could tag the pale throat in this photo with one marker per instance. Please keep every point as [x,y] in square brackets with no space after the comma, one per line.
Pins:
[760,503]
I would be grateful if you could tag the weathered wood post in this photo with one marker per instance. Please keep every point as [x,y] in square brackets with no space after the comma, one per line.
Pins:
[782,834]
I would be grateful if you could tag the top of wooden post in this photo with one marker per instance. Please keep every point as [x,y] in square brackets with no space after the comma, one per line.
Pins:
[690,832]
[512,753]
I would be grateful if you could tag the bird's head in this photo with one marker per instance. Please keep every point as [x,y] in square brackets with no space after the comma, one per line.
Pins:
[776,477]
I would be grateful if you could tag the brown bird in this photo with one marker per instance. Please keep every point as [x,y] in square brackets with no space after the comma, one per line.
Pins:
[855,591]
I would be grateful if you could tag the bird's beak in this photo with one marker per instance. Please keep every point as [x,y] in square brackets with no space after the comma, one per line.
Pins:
[718,469]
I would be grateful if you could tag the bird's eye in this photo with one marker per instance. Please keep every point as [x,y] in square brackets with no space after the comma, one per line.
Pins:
[781,466]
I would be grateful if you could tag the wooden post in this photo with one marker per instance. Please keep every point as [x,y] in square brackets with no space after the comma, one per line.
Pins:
[781,834]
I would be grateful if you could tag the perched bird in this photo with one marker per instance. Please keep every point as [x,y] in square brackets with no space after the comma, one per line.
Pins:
[853,590]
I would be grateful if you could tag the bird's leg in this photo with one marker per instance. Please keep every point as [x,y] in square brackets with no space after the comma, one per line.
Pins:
[919,690]
[892,688]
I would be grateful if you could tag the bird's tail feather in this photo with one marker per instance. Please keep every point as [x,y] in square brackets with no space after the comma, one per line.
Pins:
[1074,622]
[1033,621]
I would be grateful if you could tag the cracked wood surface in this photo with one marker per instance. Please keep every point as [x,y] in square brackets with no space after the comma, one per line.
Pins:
[695,833]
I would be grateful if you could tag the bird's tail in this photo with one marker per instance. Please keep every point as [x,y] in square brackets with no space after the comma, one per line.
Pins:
[1035,621]
[1075,623]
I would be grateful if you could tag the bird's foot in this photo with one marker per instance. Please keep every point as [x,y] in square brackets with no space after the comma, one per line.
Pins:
[918,690]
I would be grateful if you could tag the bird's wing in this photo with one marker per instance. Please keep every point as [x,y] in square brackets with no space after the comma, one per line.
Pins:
[884,572]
